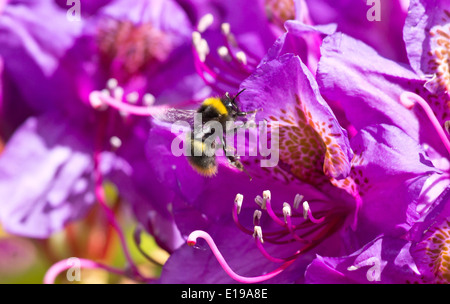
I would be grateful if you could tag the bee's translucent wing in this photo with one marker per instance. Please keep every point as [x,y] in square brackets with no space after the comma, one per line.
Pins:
[172,115]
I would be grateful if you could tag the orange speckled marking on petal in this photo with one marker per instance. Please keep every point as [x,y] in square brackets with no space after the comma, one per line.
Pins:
[439,62]
[308,147]
[436,251]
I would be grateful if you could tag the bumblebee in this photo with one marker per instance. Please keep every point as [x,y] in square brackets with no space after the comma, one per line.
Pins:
[203,142]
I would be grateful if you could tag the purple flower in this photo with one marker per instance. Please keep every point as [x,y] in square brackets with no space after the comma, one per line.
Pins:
[56,156]
[45,176]
[419,256]
[355,79]
[321,200]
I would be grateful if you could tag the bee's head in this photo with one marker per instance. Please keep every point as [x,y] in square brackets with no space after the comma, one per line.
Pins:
[230,103]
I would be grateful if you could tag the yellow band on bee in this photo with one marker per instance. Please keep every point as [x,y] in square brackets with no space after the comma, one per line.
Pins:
[217,104]
[198,146]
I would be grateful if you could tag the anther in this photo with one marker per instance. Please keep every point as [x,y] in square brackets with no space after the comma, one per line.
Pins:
[115,142]
[225,27]
[307,214]
[148,99]
[287,212]
[205,22]
[196,38]
[267,195]
[305,209]
[96,102]
[257,217]
[241,57]
[201,46]
[260,202]
[238,202]
[297,200]
[257,233]
[224,53]
[132,97]
[112,83]
[447,126]
[117,93]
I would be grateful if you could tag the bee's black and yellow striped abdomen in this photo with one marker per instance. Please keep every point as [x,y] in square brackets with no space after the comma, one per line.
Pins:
[199,159]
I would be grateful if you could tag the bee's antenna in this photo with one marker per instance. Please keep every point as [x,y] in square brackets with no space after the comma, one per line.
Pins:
[246,172]
[234,98]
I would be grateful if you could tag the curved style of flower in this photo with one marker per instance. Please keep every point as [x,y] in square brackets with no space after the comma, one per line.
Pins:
[341,197]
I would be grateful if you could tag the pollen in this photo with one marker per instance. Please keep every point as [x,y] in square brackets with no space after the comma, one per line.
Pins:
[437,251]
[308,147]
[439,62]
[279,11]
[127,48]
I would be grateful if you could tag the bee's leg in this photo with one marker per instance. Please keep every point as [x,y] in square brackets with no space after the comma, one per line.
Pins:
[232,158]
[228,150]
[248,112]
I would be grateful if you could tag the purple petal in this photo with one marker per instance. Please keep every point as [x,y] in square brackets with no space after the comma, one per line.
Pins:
[302,40]
[46,177]
[367,85]
[427,39]
[32,49]
[146,181]
[287,93]
[384,260]
[429,236]
[389,177]
[354,19]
